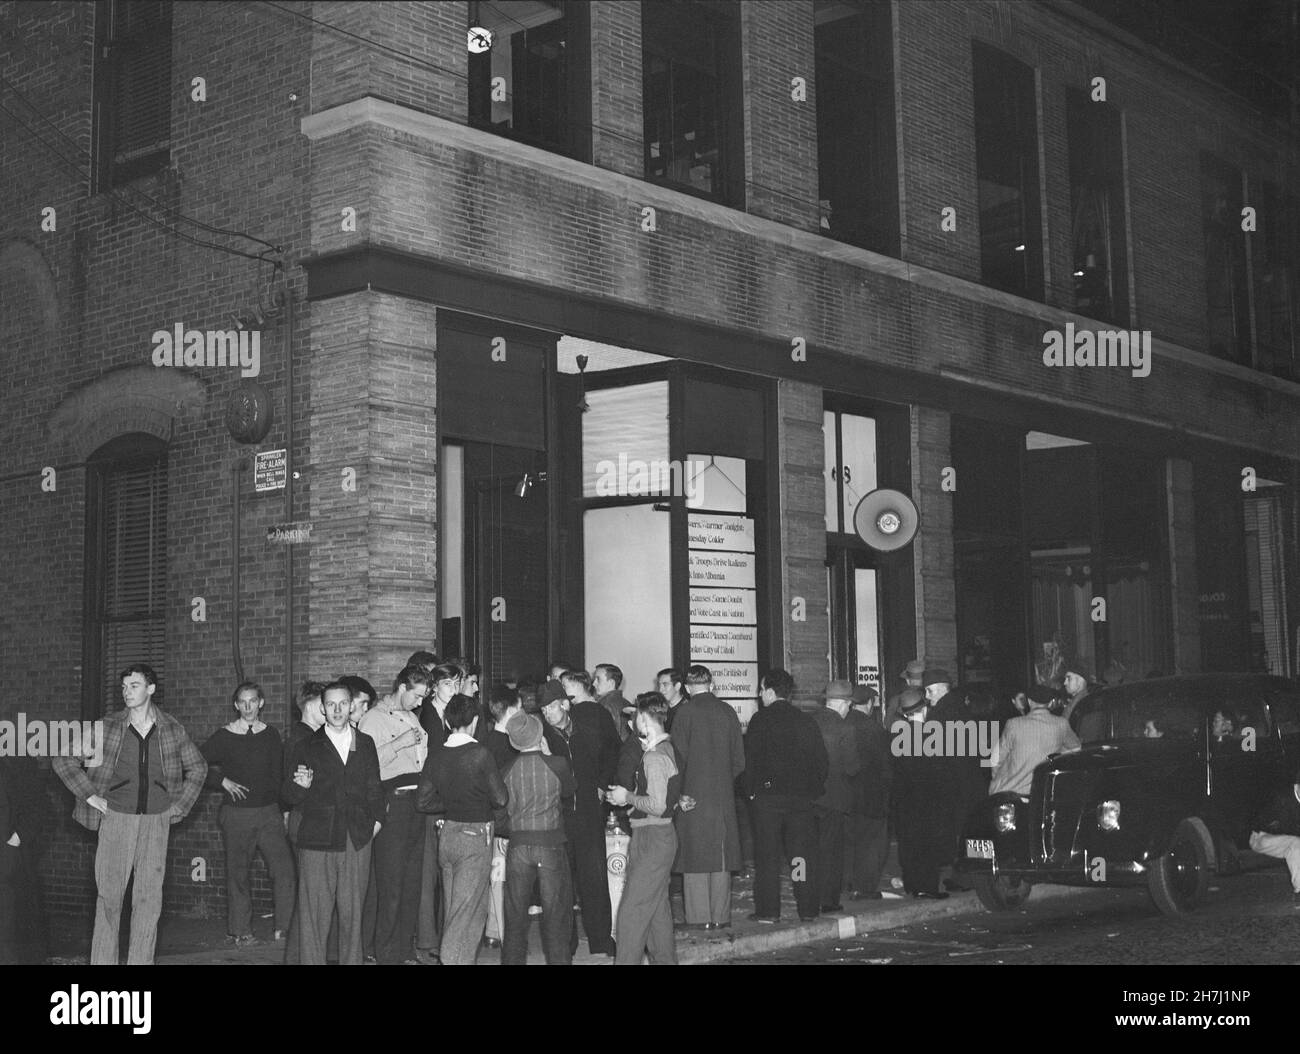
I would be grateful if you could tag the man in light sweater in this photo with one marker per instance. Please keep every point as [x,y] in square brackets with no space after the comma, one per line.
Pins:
[537,782]
[645,920]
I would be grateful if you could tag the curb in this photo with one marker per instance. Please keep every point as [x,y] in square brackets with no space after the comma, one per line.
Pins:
[843,927]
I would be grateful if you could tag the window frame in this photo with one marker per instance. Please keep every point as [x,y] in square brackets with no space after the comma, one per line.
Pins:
[722,19]
[114,44]
[129,452]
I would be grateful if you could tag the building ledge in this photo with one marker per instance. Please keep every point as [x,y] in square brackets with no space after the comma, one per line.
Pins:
[371,112]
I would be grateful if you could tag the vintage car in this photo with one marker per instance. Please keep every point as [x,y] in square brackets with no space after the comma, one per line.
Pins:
[1162,793]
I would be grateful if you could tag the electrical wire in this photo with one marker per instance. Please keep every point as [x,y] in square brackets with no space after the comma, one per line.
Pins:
[77,170]
[113,191]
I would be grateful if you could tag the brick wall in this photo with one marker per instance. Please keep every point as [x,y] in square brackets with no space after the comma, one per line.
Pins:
[780,133]
[932,552]
[803,534]
[616,83]
[372,564]
[80,303]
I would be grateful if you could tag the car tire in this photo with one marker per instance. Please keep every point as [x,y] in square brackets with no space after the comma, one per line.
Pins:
[1000,893]
[1179,878]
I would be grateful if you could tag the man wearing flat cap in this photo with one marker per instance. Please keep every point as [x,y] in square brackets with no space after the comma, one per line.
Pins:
[541,789]
[1028,741]
[837,799]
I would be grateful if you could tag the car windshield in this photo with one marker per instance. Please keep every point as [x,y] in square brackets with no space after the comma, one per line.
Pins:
[1119,716]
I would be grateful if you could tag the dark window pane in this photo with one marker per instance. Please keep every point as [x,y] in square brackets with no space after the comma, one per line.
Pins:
[1097,209]
[1277,281]
[134,90]
[856,158]
[128,564]
[1006,159]
[1226,294]
[691,111]
[524,86]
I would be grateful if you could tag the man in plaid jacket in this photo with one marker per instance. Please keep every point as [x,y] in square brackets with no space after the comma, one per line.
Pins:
[149,777]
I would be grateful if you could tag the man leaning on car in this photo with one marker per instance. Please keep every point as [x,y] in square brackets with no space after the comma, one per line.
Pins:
[1027,741]
[1276,831]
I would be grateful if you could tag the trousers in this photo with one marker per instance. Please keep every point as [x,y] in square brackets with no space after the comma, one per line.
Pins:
[548,865]
[830,853]
[244,832]
[465,856]
[129,843]
[785,836]
[706,896]
[429,926]
[1282,847]
[398,861]
[329,879]
[645,920]
[866,852]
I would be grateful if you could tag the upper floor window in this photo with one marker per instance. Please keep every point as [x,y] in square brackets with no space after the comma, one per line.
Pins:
[1276,267]
[1006,161]
[1097,229]
[1227,291]
[132,107]
[857,165]
[527,73]
[126,566]
[691,98]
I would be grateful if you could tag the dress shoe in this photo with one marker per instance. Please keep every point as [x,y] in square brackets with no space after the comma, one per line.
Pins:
[955,886]
[873,894]
[717,926]
[807,918]
[928,895]
[767,919]
[491,942]
[425,957]
[832,908]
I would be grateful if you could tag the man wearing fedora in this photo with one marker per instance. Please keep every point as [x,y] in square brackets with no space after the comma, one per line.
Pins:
[921,814]
[837,798]
[963,779]
[911,675]
[866,845]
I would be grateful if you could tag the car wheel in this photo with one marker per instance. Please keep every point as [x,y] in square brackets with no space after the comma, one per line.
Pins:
[1001,893]
[1178,879]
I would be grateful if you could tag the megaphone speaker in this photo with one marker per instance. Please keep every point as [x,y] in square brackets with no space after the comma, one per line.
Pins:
[886,520]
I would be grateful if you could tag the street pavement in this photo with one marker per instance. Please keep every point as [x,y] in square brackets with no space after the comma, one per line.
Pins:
[1250,918]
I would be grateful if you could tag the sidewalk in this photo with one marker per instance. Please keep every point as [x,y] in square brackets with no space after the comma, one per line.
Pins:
[185,941]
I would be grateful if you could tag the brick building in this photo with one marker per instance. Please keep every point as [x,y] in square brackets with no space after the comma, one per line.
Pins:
[588,326]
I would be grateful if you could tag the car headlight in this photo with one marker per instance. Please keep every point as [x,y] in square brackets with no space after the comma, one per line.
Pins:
[1108,816]
[1006,818]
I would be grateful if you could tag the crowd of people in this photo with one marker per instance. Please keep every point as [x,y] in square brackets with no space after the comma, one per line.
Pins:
[421,824]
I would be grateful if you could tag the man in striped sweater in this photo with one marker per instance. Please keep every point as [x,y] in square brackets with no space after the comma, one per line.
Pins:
[537,782]
[645,920]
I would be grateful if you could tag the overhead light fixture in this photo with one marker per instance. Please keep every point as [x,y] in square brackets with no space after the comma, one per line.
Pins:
[480,40]
[525,485]
[582,361]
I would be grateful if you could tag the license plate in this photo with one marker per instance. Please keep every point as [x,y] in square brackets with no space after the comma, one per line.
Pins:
[979,848]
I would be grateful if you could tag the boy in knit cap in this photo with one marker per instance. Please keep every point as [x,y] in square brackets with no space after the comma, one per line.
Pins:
[538,783]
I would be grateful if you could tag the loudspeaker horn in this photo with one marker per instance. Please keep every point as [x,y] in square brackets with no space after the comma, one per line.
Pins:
[886,520]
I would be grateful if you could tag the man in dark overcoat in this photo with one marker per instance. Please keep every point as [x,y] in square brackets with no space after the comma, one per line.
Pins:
[711,754]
